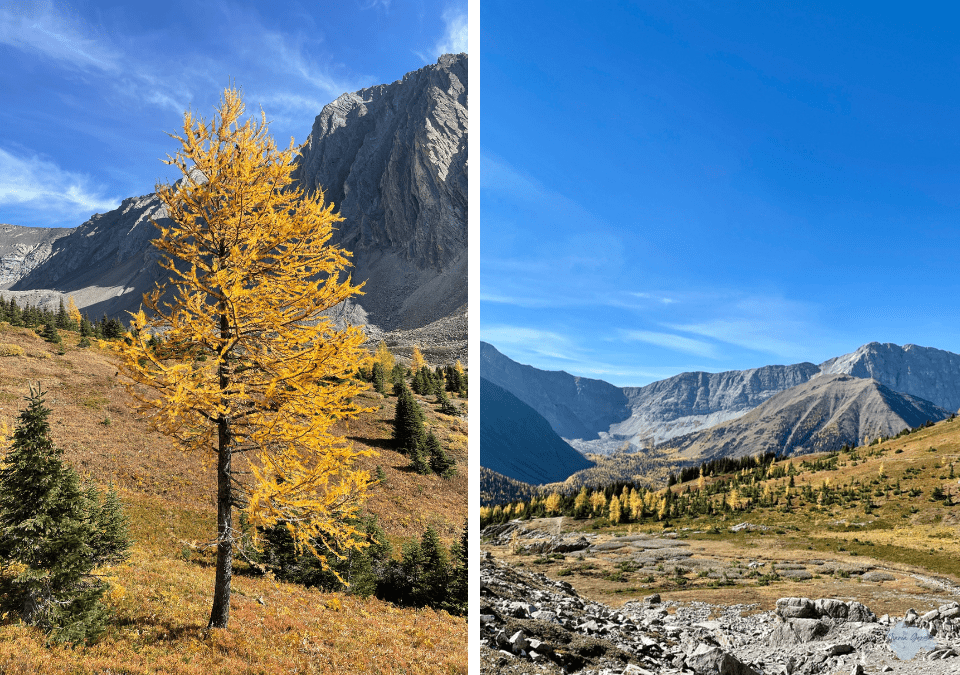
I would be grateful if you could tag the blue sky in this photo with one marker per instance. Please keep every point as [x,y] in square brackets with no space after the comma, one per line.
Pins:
[88,89]
[668,187]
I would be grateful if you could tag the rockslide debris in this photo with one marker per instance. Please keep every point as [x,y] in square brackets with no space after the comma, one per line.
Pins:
[532,624]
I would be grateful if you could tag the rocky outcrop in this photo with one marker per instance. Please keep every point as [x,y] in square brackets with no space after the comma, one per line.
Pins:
[692,401]
[820,415]
[107,263]
[23,249]
[392,158]
[518,443]
[532,624]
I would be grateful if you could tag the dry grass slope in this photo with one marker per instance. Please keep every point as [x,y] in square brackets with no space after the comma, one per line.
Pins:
[161,597]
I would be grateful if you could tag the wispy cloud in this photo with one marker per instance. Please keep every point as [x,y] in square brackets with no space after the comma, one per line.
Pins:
[671,341]
[515,300]
[758,335]
[290,55]
[543,343]
[385,4]
[56,33]
[498,176]
[454,40]
[580,240]
[527,297]
[772,325]
[42,185]
[283,70]
[549,350]
[663,299]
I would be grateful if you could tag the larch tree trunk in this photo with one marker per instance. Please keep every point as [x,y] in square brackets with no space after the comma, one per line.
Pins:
[220,614]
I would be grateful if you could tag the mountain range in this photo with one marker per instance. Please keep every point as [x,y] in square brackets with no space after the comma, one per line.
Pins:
[877,390]
[392,158]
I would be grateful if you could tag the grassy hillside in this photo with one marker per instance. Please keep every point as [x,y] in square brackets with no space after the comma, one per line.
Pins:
[161,598]
[815,526]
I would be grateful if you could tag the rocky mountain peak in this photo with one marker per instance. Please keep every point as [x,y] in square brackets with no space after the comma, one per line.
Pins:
[926,372]
[393,160]
[820,415]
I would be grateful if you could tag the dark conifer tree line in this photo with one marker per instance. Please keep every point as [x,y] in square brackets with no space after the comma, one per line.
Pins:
[53,321]
[425,573]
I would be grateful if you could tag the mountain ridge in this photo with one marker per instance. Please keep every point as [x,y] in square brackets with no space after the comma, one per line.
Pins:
[567,402]
[409,168]
[690,403]
[820,415]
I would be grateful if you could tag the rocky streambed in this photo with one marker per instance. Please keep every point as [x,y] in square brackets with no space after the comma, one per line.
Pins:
[531,623]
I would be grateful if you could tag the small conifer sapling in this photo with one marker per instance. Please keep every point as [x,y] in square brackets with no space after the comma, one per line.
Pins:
[56,532]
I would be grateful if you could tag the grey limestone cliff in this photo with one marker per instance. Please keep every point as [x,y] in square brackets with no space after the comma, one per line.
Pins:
[392,158]
[576,407]
[595,417]
[691,401]
[23,249]
[106,264]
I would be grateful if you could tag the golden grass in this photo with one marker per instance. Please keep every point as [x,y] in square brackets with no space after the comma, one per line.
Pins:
[161,598]
[159,627]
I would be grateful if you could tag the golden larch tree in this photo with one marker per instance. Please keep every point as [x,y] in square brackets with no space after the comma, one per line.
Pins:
[663,508]
[598,502]
[615,511]
[249,366]
[636,504]
[552,505]
[385,357]
[73,312]
[582,501]
[416,360]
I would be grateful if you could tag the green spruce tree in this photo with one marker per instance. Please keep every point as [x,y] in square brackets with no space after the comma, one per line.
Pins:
[440,461]
[447,407]
[408,585]
[420,460]
[379,378]
[419,384]
[459,578]
[50,333]
[56,532]
[408,430]
[435,572]
[14,313]
[430,385]
[62,318]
